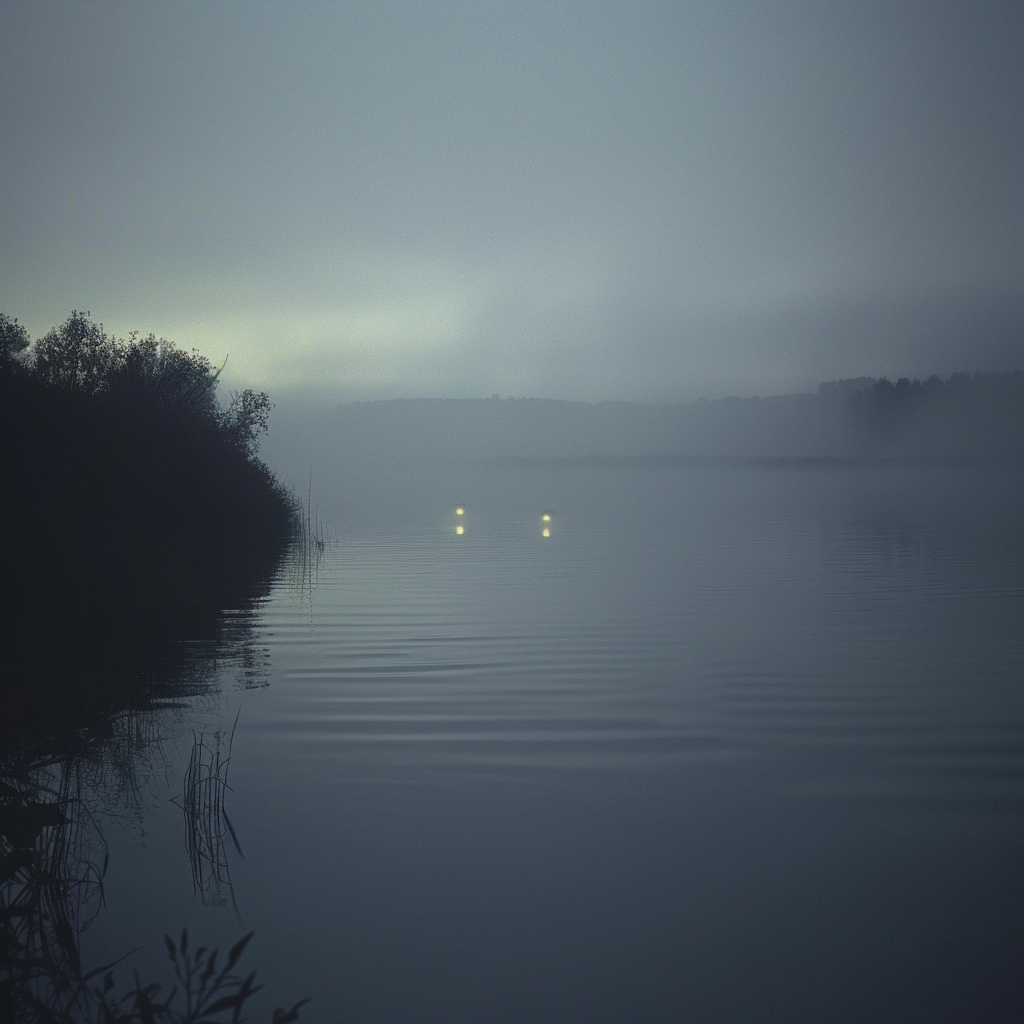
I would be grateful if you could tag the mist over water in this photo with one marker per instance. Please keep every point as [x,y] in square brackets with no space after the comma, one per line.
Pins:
[732,743]
[665,694]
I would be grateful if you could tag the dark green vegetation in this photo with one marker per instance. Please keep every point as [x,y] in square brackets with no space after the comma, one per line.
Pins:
[135,505]
[135,511]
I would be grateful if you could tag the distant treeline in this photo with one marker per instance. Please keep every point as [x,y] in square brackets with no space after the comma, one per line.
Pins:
[135,506]
[967,417]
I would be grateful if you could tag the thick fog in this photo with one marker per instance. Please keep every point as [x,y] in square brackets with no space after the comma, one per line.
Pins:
[650,201]
[965,418]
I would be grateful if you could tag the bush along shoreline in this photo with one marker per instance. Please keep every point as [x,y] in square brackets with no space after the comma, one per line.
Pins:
[137,507]
[134,511]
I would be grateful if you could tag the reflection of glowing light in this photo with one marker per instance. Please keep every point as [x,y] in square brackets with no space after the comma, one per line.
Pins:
[459,510]
[459,530]
[545,532]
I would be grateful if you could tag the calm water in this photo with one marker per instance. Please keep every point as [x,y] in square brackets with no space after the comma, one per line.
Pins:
[732,744]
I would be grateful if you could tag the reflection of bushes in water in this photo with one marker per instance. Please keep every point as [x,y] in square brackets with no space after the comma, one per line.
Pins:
[67,754]
[52,864]
[108,719]
[85,751]
[53,785]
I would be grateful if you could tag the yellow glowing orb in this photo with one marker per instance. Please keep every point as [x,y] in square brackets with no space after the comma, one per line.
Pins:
[546,517]
[459,510]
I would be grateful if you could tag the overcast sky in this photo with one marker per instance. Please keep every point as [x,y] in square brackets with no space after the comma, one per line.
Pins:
[645,200]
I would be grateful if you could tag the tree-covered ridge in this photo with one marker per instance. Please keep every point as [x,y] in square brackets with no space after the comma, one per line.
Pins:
[958,388]
[137,504]
[967,415]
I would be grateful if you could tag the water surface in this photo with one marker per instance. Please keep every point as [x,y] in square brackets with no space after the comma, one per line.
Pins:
[733,743]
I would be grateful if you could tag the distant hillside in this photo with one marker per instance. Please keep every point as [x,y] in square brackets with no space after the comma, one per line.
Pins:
[979,416]
[541,428]
[976,416]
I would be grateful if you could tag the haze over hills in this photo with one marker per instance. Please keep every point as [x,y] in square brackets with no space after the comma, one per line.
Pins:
[970,417]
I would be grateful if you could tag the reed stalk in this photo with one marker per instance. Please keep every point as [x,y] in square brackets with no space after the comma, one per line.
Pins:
[207,825]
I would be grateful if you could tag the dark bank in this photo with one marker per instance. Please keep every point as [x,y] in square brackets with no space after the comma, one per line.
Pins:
[136,511]
[137,504]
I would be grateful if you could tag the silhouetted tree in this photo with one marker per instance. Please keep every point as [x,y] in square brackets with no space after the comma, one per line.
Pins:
[245,419]
[13,339]
[77,356]
[145,377]
[13,336]
[154,373]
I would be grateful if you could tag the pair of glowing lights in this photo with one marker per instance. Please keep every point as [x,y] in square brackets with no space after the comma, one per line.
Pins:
[460,529]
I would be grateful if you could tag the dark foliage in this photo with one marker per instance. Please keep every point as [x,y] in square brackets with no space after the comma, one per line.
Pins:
[134,508]
[53,864]
[967,416]
[13,338]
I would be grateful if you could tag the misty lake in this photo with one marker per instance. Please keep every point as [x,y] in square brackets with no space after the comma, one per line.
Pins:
[736,742]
